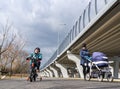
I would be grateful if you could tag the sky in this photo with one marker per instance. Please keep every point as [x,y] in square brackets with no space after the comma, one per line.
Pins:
[38,22]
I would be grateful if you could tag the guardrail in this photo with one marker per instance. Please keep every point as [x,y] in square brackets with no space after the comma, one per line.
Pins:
[50,60]
[94,8]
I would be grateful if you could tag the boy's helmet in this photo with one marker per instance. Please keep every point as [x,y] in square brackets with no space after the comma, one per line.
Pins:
[37,49]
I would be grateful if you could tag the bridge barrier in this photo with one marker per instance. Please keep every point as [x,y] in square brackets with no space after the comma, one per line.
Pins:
[91,14]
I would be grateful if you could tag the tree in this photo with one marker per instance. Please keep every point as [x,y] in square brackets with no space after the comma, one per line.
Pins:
[14,52]
[21,66]
[11,49]
[5,61]
[6,38]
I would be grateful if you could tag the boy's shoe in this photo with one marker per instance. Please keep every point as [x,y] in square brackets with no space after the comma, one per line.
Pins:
[38,71]
[28,78]
[40,78]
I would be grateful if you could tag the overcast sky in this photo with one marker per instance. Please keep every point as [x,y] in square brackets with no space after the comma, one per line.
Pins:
[39,21]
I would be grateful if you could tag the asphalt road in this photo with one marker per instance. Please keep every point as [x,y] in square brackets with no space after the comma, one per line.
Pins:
[56,84]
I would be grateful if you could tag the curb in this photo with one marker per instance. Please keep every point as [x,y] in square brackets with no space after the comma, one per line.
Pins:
[92,79]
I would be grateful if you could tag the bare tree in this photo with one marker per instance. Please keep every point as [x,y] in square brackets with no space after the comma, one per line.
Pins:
[15,50]
[11,50]
[21,64]
[6,38]
[14,59]
[5,61]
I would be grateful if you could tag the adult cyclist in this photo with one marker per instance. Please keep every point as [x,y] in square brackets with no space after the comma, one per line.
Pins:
[84,62]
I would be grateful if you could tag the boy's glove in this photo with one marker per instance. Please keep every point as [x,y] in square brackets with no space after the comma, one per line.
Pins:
[27,59]
[38,60]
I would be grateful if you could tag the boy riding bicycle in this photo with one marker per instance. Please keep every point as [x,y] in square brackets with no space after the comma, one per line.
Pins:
[35,57]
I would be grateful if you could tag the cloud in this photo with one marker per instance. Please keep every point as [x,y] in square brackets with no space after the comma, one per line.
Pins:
[39,21]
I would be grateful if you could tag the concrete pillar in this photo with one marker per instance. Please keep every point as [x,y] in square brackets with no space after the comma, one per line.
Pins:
[76,58]
[63,70]
[112,68]
[41,73]
[46,73]
[51,75]
[116,69]
[55,71]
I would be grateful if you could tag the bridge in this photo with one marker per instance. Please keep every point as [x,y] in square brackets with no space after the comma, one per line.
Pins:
[99,27]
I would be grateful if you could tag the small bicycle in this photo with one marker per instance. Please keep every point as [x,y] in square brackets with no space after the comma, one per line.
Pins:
[33,73]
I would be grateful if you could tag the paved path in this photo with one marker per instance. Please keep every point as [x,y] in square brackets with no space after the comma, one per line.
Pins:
[57,84]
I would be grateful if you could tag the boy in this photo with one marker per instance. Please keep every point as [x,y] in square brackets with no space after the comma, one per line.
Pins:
[37,57]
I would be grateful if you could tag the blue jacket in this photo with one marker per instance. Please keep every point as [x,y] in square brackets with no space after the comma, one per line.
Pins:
[35,56]
[83,53]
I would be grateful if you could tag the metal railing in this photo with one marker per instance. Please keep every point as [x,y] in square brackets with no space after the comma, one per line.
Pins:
[94,8]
